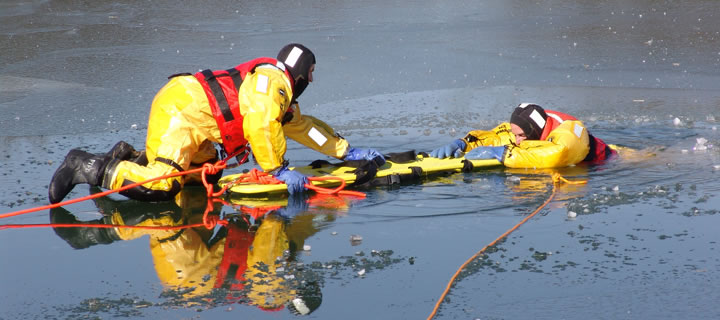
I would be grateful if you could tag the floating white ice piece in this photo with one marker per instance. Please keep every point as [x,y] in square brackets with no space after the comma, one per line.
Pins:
[701,144]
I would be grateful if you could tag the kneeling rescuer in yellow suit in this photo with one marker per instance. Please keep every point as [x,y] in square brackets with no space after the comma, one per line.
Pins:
[248,108]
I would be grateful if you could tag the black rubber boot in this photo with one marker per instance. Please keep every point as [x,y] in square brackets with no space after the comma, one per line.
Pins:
[79,167]
[122,151]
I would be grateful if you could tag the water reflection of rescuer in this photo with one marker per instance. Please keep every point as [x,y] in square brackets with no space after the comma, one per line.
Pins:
[241,259]
[248,108]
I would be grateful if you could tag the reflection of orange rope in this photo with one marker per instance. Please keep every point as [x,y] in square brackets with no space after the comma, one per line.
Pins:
[556,178]
[258,212]
[213,168]
[89,225]
[209,222]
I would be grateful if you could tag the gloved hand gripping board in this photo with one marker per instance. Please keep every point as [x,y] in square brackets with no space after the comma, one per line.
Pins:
[394,171]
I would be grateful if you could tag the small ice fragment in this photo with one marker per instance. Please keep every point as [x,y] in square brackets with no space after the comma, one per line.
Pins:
[361,272]
[333,233]
[134,126]
[307,247]
[355,239]
[571,214]
[677,122]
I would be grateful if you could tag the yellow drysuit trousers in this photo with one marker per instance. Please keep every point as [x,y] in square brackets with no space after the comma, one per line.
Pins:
[179,134]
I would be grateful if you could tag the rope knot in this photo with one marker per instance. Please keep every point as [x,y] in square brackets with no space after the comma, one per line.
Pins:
[210,221]
[213,168]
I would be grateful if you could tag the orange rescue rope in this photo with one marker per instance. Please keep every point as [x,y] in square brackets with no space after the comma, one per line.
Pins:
[253,176]
[556,178]
[257,176]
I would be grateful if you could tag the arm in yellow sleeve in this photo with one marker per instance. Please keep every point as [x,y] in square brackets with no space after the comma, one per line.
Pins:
[315,134]
[264,97]
[567,145]
[499,136]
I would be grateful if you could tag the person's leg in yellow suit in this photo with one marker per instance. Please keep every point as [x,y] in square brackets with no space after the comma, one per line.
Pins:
[177,138]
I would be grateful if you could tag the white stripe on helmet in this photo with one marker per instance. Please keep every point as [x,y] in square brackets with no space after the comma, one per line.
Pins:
[293,56]
[537,117]
[523,105]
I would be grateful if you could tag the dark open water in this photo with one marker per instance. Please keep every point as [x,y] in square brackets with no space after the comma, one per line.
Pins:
[394,76]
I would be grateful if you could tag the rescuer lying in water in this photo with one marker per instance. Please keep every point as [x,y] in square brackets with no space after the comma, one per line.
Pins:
[534,138]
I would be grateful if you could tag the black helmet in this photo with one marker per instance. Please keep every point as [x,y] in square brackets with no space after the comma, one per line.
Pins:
[530,118]
[297,59]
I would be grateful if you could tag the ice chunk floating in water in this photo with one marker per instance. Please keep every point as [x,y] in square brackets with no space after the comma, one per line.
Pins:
[701,144]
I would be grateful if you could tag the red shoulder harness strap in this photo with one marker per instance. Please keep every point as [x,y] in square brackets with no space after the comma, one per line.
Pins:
[221,88]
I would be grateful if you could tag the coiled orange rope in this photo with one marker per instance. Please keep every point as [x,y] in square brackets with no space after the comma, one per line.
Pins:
[257,176]
[556,178]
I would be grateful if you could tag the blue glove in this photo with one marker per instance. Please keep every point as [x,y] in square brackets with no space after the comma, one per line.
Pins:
[294,180]
[452,150]
[365,154]
[481,153]
[297,204]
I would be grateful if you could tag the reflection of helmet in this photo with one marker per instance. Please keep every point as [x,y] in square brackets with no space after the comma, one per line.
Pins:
[308,299]
[530,118]
[298,59]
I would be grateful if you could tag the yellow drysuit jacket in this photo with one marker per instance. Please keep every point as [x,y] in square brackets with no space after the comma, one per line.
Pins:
[566,145]
[182,130]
